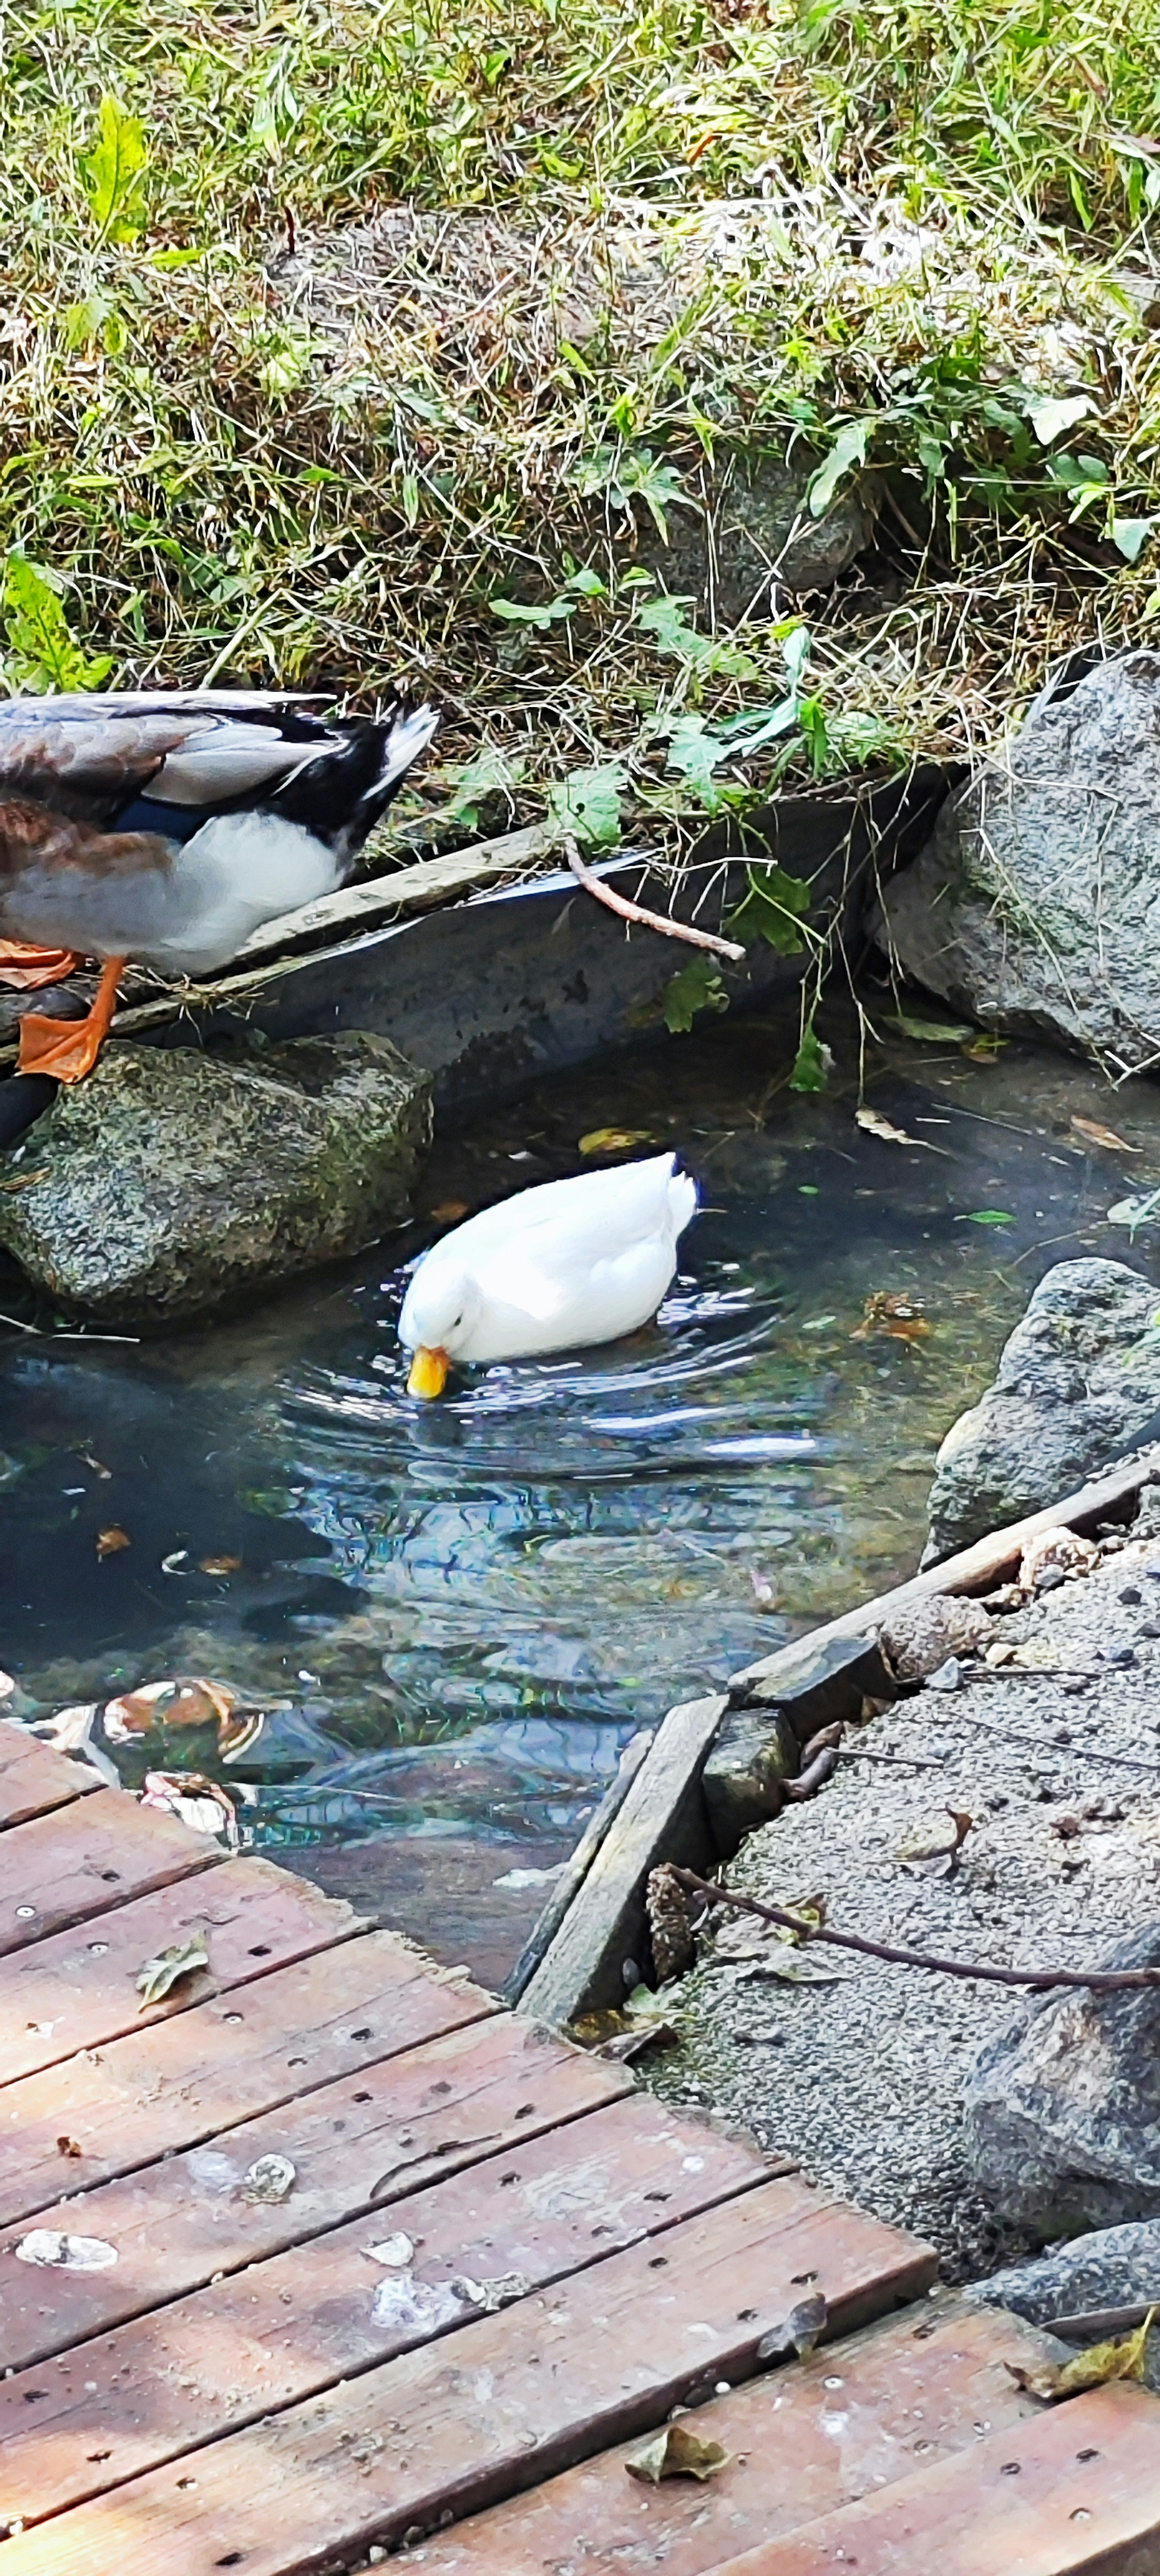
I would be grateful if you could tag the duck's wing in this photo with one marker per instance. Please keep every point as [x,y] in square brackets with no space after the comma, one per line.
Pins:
[191,746]
[594,1216]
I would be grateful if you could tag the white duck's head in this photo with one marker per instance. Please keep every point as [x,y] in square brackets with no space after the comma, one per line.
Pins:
[440,1312]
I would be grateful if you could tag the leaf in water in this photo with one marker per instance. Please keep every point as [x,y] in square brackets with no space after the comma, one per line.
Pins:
[218,1564]
[448,1211]
[772,909]
[799,2333]
[269,2178]
[1123,2358]
[931,1032]
[157,1976]
[987,1216]
[1051,414]
[876,1125]
[677,2452]
[1095,1134]
[588,803]
[848,450]
[813,1063]
[1135,1212]
[614,1140]
[1130,536]
[111,1541]
[113,173]
[45,653]
[892,1312]
[698,987]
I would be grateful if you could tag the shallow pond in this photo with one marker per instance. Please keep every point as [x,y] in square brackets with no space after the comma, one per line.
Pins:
[466,1609]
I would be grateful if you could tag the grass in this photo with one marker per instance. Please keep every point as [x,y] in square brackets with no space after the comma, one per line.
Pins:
[331,328]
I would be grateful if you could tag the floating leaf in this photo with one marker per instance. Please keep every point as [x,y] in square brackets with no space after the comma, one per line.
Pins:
[448,1211]
[987,1216]
[771,910]
[848,450]
[614,1140]
[111,1541]
[893,1313]
[1123,2358]
[219,1564]
[1094,1134]
[813,1063]
[876,1125]
[1050,414]
[677,2453]
[930,1032]
[112,173]
[156,1976]
[587,803]
[698,987]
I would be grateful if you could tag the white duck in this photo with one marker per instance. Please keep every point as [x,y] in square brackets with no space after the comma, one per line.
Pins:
[568,1264]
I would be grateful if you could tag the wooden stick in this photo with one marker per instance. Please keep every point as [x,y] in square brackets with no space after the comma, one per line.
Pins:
[1095,2324]
[1100,1981]
[627,911]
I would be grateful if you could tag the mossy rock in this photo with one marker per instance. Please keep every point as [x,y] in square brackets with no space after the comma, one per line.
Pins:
[173,1182]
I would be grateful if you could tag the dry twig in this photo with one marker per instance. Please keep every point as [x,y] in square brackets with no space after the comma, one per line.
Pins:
[627,911]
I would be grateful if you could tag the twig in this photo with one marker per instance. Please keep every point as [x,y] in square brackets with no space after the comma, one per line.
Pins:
[1095,2324]
[1067,1752]
[1101,1981]
[627,911]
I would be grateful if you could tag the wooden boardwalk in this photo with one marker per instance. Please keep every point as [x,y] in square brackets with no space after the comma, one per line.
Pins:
[325,2256]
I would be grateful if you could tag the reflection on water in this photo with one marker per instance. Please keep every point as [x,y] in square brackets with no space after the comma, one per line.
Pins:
[465,1610]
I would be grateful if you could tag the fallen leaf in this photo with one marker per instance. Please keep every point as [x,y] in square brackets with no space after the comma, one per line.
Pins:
[156,1976]
[448,1211]
[219,1564]
[87,1460]
[877,1126]
[626,2046]
[614,1140]
[202,1806]
[269,2178]
[1121,2359]
[111,1541]
[1094,1134]
[893,1314]
[938,1859]
[68,2147]
[799,2333]
[677,2453]
[64,2253]
[931,1032]
[987,1216]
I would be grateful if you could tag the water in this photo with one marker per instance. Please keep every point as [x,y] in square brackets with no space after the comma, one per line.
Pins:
[465,1610]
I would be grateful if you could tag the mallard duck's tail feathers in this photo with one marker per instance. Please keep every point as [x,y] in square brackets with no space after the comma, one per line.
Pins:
[341,795]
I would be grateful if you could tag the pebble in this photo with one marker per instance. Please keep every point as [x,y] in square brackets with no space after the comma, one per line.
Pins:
[948,1677]
[1130,1595]
[1120,1655]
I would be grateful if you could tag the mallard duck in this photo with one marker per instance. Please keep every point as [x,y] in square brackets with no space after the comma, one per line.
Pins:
[554,1269]
[167,827]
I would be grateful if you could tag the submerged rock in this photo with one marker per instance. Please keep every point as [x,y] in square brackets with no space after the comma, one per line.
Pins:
[172,1182]
[1036,904]
[1062,2111]
[1077,1383]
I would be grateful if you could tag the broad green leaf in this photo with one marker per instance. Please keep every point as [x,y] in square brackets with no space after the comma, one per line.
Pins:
[848,450]
[986,1216]
[813,1063]
[491,773]
[772,909]
[695,752]
[112,173]
[84,322]
[698,987]
[1051,414]
[664,618]
[614,1140]
[629,474]
[1131,536]
[541,617]
[588,803]
[45,654]
[285,361]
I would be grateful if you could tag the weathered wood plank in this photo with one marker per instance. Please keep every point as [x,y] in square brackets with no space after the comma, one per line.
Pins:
[972,1570]
[355,2146]
[803,2442]
[662,1818]
[89,1856]
[576,1869]
[1077,2488]
[34,1779]
[406,890]
[77,1989]
[282,2330]
[230,2059]
[500,2404]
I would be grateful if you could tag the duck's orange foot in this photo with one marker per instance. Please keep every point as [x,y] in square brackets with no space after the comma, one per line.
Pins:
[25,969]
[68,1049]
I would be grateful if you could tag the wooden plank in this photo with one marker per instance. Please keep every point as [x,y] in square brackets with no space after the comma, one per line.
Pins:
[576,1868]
[803,2442]
[499,2405]
[355,2147]
[34,1779]
[974,1569]
[230,2059]
[1077,2488]
[78,1988]
[283,2330]
[405,891]
[662,1818]
[89,1856]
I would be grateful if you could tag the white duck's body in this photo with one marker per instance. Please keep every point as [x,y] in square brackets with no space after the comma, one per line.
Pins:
[557,1268]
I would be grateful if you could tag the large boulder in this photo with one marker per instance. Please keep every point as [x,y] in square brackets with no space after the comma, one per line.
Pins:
[1062,2109]
[1036,904]
[172,1182]
[1076,1385]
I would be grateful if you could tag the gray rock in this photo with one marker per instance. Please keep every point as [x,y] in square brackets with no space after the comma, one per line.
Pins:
[756,530]
[755,1751]
[1115,2267]
[1076,1384]
[1036,905]
[1061,2116]
[173,1182]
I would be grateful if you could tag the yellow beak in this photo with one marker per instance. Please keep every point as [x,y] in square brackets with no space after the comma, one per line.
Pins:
[429,1373]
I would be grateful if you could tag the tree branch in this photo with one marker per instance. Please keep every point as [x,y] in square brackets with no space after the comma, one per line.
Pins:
[627,911]
[1100,1981]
